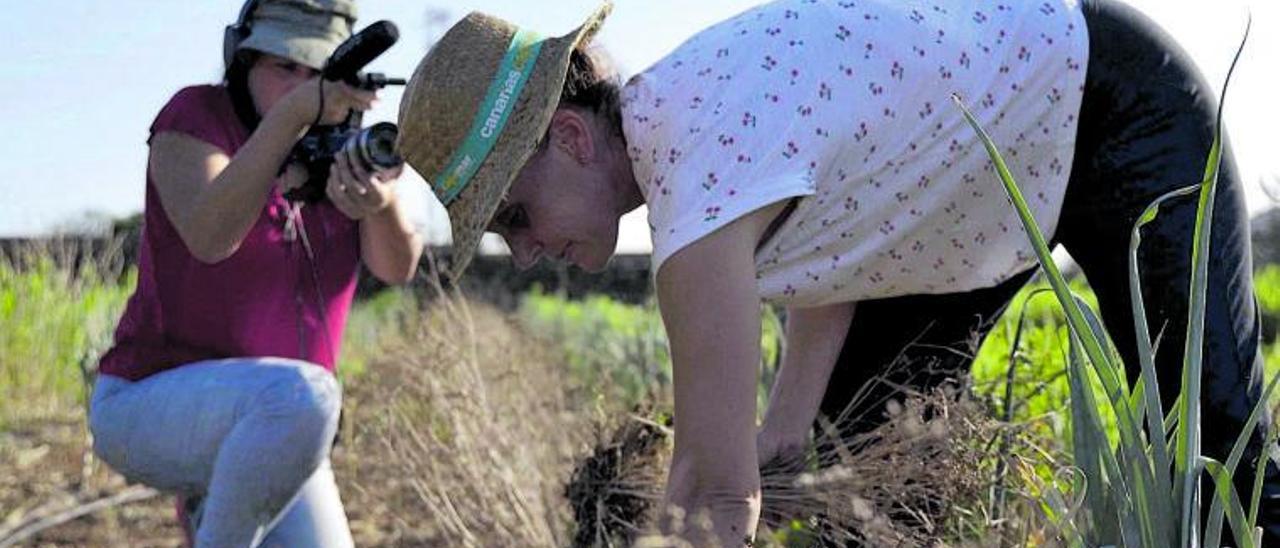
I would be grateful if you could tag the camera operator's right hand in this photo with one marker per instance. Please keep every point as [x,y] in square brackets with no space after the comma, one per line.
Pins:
[338,99]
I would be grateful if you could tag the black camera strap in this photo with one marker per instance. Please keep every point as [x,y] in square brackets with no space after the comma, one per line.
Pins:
[320,108]
[296,229]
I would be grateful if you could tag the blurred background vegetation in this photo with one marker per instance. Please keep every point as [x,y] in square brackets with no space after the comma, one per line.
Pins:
[603,346]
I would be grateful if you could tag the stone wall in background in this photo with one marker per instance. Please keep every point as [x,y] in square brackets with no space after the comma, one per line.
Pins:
[495,278]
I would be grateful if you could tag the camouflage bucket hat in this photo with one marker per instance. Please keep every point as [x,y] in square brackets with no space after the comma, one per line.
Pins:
[303,31]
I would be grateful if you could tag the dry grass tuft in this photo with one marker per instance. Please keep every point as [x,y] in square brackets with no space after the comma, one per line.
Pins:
[893,486]
[476,430]
[616,489]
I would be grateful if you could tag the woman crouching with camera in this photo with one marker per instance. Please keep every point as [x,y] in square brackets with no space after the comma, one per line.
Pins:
[220,385]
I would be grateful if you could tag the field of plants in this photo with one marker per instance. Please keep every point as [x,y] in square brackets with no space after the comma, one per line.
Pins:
[544,425]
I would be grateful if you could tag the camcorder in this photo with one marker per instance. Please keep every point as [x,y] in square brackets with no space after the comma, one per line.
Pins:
[374,146]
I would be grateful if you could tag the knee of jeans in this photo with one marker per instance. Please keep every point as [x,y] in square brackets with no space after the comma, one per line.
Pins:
[98,434]
[309,399]
[103,388]
[110,439]
[95,427]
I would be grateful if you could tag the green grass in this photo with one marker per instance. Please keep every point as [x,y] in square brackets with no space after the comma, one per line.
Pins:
[613,350]
[606,339]
[373,324]
[54,321]
[618,351]
[1266,283]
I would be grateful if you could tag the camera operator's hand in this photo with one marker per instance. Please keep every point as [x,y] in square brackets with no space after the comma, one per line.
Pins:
[336,100]
[357,192]
[294,176]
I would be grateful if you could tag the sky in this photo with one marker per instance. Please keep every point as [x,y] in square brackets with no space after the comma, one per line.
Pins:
[81,81]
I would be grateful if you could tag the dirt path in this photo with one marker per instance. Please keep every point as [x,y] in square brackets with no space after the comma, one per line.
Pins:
[43,472]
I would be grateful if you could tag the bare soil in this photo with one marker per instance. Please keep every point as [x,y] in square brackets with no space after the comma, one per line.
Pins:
[46,470]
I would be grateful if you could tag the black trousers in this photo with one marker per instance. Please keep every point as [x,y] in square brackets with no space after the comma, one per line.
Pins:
[1146,127]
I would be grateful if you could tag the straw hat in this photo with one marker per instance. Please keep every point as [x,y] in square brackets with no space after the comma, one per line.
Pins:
[474,112]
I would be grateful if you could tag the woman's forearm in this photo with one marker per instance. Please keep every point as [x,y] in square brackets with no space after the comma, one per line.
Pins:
[707,296]
[389,245]
[226,209]
[815,337]
[211,199]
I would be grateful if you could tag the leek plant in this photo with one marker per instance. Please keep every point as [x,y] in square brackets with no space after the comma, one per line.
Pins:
[1143,490]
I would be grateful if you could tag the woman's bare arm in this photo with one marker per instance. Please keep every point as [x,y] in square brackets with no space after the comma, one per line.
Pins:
[389,245]
[213,200]
[815,337]
[709,300]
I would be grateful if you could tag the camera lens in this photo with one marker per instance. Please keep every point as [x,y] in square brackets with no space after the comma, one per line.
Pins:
[375,146]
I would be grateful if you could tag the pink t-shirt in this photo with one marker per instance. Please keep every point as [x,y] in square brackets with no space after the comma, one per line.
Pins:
[260,301]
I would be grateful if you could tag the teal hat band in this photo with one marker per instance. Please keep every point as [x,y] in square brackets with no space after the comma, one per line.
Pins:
[492,117]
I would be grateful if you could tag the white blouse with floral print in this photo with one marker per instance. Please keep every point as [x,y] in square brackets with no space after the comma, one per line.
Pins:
[846,105]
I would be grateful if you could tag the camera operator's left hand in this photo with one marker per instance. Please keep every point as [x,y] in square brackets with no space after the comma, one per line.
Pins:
[357,192]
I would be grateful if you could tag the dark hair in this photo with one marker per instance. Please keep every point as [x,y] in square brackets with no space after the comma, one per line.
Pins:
[236,79]
[593,85]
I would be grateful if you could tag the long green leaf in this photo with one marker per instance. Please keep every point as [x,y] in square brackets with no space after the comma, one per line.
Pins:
[1151,507]
[1171,420]
[1108,493]
[1148,382]
[1189,433]
[1102,359]
[1263,460]
[1233,461]
[1061,514]
[1086,451]
[1092,347]
[1225,493]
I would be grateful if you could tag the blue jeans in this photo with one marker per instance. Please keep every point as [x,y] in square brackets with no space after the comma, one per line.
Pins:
[251,436]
